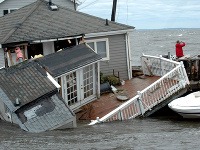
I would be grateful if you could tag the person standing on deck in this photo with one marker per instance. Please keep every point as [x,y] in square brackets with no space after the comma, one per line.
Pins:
[179,48]
[19,55]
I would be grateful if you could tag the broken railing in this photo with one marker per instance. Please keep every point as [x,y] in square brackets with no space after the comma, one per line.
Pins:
[173,78]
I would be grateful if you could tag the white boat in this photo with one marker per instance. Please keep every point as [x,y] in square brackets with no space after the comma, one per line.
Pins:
[187,106]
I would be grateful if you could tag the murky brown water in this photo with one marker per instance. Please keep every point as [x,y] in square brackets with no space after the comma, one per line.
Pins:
[161,133]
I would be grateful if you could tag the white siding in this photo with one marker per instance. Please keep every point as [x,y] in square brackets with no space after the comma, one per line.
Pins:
[16,4]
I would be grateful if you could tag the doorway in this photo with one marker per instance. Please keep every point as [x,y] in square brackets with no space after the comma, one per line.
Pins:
[78,87]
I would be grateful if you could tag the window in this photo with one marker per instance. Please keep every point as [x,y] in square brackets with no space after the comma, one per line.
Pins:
[100,46]
[7,11]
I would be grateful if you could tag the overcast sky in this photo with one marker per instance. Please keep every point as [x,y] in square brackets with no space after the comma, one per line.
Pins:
[148,14]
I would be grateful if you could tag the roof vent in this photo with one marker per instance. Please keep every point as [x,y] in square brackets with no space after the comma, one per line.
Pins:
[17,102]
[106,22]
[52,6]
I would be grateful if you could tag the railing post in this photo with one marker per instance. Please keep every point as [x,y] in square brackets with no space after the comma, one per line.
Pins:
[141,107]
[184,73]
[161,68]
[121,115]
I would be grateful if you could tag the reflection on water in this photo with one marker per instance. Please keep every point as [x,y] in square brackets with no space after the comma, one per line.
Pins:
[158,132]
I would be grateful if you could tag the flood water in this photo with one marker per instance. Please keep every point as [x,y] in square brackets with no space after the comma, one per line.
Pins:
[161,41]
[157,132]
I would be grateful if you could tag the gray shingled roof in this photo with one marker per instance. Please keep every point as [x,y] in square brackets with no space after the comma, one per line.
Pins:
[69,59]
[37,22]
[41,107]
[26,81]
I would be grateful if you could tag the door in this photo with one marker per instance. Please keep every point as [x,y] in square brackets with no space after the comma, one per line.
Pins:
[78,87]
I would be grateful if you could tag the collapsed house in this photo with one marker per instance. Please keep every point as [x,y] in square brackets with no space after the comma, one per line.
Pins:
[29,98]
[55,32]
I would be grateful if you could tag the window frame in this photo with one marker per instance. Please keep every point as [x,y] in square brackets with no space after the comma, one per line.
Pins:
[95,46]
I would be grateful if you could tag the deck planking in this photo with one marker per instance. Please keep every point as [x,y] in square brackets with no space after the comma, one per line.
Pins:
[108,102]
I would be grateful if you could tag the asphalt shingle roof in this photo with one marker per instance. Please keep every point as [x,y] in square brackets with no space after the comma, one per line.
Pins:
[37,22]
[69,59]
[41,107]
[26,81]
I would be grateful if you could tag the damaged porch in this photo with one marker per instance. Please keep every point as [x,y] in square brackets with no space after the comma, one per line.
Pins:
[108,101]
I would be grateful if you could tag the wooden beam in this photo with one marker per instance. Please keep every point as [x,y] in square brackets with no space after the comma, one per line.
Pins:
[10,57]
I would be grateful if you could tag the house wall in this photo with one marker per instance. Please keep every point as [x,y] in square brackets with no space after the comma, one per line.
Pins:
[16,4]
[118,56]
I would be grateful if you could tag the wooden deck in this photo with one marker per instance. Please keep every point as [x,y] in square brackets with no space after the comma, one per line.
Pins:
[108,102]
[169,81]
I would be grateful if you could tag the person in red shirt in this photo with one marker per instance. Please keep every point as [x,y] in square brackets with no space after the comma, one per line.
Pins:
[179,48]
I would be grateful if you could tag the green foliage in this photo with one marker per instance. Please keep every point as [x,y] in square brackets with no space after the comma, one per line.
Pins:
[113,80]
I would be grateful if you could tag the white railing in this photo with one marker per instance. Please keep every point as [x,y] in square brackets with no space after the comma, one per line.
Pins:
[174,79]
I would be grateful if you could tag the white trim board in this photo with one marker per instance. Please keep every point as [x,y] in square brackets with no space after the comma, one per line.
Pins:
[89,35]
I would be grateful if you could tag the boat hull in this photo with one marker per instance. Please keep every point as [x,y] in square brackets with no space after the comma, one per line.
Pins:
[188,106]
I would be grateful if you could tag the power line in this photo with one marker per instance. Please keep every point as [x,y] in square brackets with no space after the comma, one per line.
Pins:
[126,11]
[89,4]
[118,9]
[83,2]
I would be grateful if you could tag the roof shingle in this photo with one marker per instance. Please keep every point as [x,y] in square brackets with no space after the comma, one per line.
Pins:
[37,22]
[69,59]
[25,81]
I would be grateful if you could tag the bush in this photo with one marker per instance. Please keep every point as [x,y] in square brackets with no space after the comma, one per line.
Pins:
[113,80]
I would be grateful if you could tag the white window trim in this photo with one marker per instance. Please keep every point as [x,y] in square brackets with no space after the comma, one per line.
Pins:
[95,46]
[9,9]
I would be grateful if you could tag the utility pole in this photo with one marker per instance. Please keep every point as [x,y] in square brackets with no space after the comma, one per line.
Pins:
[74,4]
[114,10]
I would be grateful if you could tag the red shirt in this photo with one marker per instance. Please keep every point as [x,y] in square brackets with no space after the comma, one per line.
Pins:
[179,49]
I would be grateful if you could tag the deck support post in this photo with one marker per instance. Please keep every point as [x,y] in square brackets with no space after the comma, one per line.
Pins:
[121,115]
[184,73]
[161,67]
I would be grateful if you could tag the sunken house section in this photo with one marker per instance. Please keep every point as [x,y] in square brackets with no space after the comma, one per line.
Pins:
[69,59]
[29,98]
[76,69]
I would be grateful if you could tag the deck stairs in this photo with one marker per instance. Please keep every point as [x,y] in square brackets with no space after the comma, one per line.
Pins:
[173,82]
